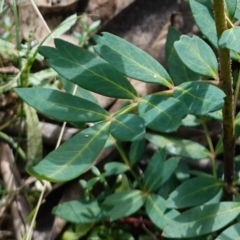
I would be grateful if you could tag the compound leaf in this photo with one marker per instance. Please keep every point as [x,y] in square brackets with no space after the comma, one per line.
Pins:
[87,70]
[201,98]
[62,106]
[202,220]
[130,60]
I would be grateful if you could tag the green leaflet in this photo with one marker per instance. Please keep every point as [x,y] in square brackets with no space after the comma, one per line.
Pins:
[231,233]
[216,115]
[197,55]
[41,78]
[231,6]
[179,72]
[115,168]
[230,39]
[182,171]
[162,113]
[202,220]
[158,170]
[201,98]
[124,203]
[237,12]
[204,19]
[62,106]
[179,147]
[75,156]
[78,232]
[190,121]
[137,150]
[34,135]
[156,210]
[130,60]
[62,28]
[87,70]
[128,127]
[81,211]
[193,192]
[153,172]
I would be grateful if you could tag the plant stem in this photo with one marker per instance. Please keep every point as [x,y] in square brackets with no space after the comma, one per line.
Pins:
[125,160]
[210,144]
[228,108]
[16,22]
[14,144]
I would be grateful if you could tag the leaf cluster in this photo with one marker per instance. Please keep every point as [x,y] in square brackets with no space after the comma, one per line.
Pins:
[180,202]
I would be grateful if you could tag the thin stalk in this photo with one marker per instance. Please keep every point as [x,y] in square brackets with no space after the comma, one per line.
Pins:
[228,108]
[8,123]
[126,109]
[14,144]
[1,5]
[125,160]
[16,22]
[210,145]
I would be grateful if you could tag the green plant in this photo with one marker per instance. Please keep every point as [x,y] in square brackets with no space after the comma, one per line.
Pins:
[87,32]
[180,202]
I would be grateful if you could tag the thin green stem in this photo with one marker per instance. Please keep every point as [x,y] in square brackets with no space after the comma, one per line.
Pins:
[14,144]
[125,160]
[19,133]
[8,123]
[126,109]
[228,108]
[1,6]
[16,22]
[229,22]
[210,144]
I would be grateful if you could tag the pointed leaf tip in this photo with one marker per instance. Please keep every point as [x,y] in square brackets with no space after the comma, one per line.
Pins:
[75,156]
[130,60]
[202,220]
[87,70]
